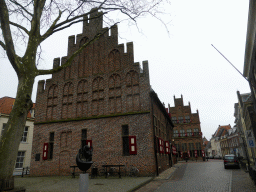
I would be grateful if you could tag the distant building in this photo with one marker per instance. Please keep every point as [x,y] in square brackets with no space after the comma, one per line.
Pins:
[25,148]
[205,142]
[248,122]
[215,140]
[187,132]
[102,100]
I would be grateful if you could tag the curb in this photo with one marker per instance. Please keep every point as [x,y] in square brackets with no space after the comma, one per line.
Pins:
[141,185]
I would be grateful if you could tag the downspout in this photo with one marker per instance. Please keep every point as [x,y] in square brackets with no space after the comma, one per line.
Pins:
[154,139]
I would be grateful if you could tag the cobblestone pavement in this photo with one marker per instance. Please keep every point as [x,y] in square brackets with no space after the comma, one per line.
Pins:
[241,181]
[208,176]
[68,184]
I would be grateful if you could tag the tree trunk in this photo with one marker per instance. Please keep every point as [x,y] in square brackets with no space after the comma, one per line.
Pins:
[10,140]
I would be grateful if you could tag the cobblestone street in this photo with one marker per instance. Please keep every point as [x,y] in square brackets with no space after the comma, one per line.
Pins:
[207,176]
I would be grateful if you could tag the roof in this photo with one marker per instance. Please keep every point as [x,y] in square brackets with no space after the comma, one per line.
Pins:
[162,108]
[6,104]
[222,130]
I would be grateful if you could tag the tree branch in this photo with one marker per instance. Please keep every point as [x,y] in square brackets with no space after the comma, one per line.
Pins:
[23,8]
[3,45]
[5,26]
[50,30]
[19,26]
[69,61]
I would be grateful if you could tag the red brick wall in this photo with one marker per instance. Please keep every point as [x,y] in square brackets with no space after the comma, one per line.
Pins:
[179,110]
[102,90]
[106,137]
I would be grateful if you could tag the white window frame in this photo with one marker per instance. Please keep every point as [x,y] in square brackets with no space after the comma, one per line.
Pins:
[20,159]
[24,137]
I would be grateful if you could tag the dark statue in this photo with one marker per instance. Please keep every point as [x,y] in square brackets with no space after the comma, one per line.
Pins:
[84,158]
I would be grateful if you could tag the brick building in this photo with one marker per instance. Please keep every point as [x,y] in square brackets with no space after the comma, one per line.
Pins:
[187,133]
[103,99]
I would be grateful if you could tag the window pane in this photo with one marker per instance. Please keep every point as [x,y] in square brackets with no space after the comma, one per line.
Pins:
[24,136]
[126,146]
[125,130]
[52,136]
[20,159]
[84,134]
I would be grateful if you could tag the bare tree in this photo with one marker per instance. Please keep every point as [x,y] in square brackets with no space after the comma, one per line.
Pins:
[31,22]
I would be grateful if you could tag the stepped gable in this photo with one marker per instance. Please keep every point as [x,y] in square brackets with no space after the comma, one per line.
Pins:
[103,79]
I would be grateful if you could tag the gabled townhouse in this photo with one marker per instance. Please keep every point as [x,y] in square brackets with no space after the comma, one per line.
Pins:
[103,100]
[25,148]
[187,132]
[216,138]
[248,122]
[230,143]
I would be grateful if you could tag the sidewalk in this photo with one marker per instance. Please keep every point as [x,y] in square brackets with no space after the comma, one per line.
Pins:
[162,178]
[68,184]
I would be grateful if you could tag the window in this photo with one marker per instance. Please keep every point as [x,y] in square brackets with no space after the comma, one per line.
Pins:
[51,142]
[125,136]
[84,137]
[52,102]
[174,120]
[175,133]
[132,91]
[189,132]
[115,103]
[184,146]
[198,148]
[24,136]
[182,133]
[4,126]
[187,119]
[20,159]
[180,119]
[67,101]
[191,146]
[196,132]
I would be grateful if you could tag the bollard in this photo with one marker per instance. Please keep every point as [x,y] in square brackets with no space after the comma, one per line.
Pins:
[84,182]
[22,172]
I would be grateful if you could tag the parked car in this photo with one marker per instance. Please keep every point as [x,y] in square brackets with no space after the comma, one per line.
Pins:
[231,161]
[217,157]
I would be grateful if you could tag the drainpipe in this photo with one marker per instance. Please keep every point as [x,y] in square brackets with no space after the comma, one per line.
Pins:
[154,139]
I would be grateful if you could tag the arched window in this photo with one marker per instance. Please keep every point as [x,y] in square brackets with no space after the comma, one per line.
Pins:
[115,103]
[132,91]
[114,63]
[67,101]
[84,59]
[52,102]
[98,96]
[82,99]
[68,74]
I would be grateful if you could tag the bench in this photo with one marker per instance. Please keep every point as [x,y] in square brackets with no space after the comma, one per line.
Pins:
[74,170]
[107,169]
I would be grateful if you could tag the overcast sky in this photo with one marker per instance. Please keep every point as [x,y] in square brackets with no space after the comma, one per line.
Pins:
[181,58]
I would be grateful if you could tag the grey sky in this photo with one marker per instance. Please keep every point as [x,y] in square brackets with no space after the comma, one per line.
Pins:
[181,61]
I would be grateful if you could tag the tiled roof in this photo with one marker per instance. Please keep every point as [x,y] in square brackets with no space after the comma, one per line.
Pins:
[6,104]
[222,130]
